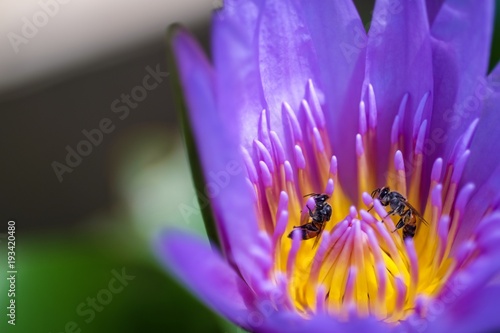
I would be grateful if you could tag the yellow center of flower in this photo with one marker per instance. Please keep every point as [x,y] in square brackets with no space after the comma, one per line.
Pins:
[358,265]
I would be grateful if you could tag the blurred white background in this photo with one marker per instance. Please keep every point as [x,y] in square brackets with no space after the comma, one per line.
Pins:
[42,38]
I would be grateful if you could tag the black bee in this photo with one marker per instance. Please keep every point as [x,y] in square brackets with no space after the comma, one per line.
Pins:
[399,206]
[319,216]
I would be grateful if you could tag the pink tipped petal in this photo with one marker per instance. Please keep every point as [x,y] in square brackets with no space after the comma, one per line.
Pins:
[459,167]
[363,127]
[413,260]
[437,169]
[305,109]
[372,107]
[280,226]
[289,61]
[398,62]
[293,123]
[419,145]
[251,189]
[218,151]
[395,130]
[329,188]
[288,172]
[367,199]
[443,230]
[463,197]
[211,279]
[465,140]
[353,212]
[360,150]
[320,299]
[436,196]
[339,42]
[300,160]
[250,166]
[314,102]
[292,255]
[265,174]
[398,161]
[283,201]
[367,217]
[264,154]
[263,132]
[333,166]
[278,148]
[349,285]
[417,119]
[401,293]
[402,111]
[320,146]
[261,261]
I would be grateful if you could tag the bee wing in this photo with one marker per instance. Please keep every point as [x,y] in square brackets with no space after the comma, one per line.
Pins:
[416,213]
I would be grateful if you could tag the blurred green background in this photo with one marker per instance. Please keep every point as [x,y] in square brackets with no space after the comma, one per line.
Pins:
[74,236]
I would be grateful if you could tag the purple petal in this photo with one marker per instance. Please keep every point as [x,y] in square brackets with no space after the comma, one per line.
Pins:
[219,154]
[206,274]
[398,62]
[483,168]
[494,76]
[484,147]
[433,8]
[484,198]
[476,314]
[287,58]
[294,323]
[340,41]
[462,35]
[235,54]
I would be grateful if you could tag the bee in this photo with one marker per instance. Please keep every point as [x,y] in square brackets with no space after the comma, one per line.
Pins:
[319,216]
[399,206]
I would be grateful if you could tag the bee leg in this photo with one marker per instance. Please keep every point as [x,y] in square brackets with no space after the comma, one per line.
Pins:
[371,208]
[400,224]
[389,213]
[405,218]
[311,214]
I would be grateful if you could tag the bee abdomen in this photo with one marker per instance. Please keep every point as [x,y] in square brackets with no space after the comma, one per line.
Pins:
[301,231]
[409,231]
[306,231]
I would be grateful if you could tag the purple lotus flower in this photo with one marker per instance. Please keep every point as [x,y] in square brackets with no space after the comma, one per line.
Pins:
[299,99]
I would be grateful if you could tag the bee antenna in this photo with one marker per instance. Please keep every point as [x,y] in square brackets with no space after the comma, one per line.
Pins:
[310,194]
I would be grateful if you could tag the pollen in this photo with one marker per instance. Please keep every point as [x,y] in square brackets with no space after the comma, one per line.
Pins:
[357,264]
